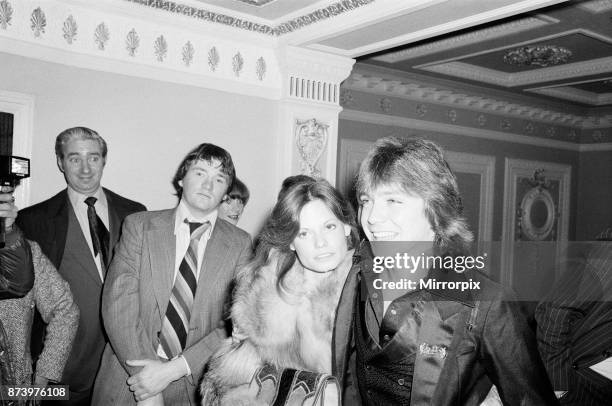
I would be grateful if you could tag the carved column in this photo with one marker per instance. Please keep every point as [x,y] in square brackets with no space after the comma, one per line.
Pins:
[307,135]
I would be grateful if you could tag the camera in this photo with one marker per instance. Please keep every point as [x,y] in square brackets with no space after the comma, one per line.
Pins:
[12,170]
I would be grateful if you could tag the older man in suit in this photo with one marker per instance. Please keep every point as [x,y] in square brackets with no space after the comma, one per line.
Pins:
[164,301]
[77,230]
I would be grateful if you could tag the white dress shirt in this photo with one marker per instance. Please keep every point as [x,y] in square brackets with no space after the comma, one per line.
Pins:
[183,235]
[80,209]
[604,368]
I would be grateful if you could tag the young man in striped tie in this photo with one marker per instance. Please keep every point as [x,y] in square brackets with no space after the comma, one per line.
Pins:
[164,297]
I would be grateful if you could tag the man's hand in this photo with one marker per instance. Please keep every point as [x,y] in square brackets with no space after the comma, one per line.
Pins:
[8,210]
[154,377]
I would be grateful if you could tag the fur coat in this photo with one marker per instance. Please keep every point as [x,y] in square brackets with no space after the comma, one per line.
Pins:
[292,329]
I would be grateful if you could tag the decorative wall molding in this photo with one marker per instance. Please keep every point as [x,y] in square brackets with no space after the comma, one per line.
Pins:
[514,27]
[483,165]
[405,89]
[22,107]
[519,168]
[104,39]
[332,10]
[422,125]
[311,139]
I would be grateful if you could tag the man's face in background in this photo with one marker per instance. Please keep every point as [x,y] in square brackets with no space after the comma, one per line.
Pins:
[82,164]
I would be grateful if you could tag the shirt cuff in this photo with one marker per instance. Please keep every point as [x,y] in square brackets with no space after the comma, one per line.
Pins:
[186,365]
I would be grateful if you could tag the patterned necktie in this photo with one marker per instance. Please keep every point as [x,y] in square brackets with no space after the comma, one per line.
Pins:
[98,231]
[176,323]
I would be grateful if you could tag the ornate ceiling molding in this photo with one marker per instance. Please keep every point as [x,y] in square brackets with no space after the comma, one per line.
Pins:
[514,27]
[423,125]
[538,55]
[257,3]
[334,9]
[562,72]
[415,91]
[577,95]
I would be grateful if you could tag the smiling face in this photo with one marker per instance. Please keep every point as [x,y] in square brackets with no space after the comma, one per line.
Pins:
[389,214]
[231,209]
[82,165]
[204,186]
[321,242]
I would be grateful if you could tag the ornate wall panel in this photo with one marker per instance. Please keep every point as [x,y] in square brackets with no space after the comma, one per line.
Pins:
[536,220]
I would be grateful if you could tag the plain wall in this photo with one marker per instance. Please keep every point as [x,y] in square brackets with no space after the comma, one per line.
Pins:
[149,127]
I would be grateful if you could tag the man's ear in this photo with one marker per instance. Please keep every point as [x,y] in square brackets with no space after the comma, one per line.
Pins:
[60,164]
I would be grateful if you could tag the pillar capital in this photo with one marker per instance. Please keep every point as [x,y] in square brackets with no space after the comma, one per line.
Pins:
[308,111]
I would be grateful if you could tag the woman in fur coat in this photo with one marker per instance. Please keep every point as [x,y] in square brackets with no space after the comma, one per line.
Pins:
[285,299]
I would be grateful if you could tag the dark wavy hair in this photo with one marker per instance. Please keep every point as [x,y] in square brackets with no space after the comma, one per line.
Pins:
[239,191]
[418,167]
[205,152]
[283,224]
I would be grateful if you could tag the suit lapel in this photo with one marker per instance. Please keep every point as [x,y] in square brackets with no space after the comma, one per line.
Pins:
[162,248]
[57,226]
[79,246]
[212,268]
[114,222]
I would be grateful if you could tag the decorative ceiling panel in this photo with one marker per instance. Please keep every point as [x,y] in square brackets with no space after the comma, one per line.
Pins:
[598,86]
[572,48]
[594,93]
[562,52]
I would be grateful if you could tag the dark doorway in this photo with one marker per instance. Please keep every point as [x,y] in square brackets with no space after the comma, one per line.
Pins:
[6,133]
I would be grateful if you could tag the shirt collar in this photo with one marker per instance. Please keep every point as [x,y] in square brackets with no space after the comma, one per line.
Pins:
[77,198]
[183,212]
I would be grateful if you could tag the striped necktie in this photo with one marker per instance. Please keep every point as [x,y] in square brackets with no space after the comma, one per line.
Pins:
[176,322]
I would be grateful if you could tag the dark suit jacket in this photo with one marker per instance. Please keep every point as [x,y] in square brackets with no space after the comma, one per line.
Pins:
[136,295]
[490,343]
[575,328]
[47,224]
